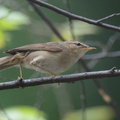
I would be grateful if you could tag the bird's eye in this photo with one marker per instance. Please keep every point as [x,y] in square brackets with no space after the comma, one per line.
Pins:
[78,44]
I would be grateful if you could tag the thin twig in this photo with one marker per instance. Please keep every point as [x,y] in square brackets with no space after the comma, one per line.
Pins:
[109,16]
[67,2]
[101,55]
[105,50]
[83,99]
[75,17]
[111,41]
[48,22]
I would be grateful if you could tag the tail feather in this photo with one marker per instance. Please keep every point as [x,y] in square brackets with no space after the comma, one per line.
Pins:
[7,62]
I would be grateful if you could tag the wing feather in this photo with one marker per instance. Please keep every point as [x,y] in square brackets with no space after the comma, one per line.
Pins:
[50,46]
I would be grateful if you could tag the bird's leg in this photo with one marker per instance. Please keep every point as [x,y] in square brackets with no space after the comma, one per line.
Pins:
[34,63]
[21,75]
[19,58]
[20,78]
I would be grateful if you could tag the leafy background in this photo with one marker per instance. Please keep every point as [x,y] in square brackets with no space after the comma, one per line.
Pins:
[20,25]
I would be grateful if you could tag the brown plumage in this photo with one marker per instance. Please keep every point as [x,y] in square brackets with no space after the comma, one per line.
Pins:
[51,57]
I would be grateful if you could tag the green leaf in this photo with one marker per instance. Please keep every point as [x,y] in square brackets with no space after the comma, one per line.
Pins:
[94,113]
[11,20]
[22,113]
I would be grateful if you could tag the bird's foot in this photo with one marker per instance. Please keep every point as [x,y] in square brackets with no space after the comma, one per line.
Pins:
[53,75]
[20,80]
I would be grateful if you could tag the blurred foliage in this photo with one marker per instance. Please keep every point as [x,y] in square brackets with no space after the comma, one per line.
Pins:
[10,20]
[22,113]
[93,113]
[87,29]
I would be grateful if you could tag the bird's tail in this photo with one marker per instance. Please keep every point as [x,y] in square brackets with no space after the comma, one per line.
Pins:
[7,62]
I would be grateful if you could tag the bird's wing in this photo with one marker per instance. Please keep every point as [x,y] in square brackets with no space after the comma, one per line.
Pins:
[50,46]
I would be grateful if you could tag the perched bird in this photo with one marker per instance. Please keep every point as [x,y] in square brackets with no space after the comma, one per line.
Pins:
[50,57]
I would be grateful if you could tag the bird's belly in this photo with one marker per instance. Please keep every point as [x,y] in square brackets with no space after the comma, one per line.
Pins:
[53,67]
[50,62]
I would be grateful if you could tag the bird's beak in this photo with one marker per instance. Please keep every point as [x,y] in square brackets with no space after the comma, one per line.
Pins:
[90,48]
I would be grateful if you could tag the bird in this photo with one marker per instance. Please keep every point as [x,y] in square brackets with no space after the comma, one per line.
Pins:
[51,57]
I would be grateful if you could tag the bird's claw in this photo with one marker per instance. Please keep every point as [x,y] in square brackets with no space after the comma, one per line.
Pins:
[20,80]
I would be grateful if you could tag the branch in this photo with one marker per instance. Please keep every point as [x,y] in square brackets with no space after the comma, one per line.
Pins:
[101,55]
[60,79]
[109,16]
[75,17]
